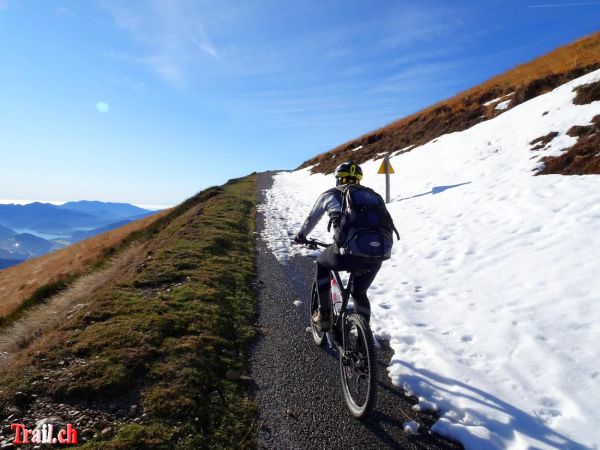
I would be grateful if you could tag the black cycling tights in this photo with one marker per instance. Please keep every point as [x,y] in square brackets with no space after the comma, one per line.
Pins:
[329,260]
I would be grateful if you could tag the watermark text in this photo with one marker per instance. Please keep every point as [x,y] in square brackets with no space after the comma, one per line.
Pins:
[44,435]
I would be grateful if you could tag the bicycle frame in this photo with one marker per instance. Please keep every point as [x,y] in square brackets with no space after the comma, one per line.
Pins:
[340,318]
[358,366]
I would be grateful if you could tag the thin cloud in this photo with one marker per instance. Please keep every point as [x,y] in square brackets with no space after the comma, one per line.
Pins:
[130,83]
[172,35]
[420,76]
[564,4]
[170,70]
[412,24]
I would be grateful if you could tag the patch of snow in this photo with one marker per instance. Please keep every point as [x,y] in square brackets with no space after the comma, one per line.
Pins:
[405,149]
[503,105]
[297,303]
[496,100]
[411,427]
[424,405]
[357,148]
[491,102]
[491,300]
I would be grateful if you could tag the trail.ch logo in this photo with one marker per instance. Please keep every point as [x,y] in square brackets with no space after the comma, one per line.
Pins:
[44,435]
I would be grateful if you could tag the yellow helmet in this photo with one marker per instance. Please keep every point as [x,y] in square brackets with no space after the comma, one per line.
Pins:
[348,172]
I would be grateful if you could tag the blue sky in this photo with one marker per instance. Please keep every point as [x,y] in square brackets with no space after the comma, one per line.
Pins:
[148,102]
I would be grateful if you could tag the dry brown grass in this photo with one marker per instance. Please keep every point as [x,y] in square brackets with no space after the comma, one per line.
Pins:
[581,159]
[579,54]
[467,108]
[18,283]
[540,142]
[587,93]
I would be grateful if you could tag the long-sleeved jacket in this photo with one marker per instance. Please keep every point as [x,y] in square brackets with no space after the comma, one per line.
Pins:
[329,201]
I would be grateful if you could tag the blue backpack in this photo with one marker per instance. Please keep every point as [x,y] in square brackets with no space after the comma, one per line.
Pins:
[365,228]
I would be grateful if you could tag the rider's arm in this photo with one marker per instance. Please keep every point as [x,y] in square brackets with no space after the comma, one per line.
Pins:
[327,202]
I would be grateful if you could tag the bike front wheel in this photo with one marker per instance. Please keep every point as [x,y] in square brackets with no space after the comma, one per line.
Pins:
[358,366]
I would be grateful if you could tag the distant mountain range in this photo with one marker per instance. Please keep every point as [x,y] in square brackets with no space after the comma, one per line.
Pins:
[102,209]
[82,235]
[27,231]
[6,232]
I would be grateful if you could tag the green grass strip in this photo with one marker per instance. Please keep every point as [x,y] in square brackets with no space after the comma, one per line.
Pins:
[165,334]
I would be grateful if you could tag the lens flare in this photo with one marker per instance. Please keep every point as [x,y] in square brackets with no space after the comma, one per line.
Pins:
[102,107]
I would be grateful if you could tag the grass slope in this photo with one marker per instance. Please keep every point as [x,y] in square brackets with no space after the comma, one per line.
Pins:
[471,107]
[32,281]
[169,333]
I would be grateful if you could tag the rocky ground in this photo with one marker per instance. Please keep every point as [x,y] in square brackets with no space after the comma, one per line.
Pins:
[89,421]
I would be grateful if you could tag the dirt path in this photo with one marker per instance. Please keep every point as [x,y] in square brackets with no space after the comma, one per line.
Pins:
[297,384]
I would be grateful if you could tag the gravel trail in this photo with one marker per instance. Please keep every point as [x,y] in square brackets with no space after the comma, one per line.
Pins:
[297,385]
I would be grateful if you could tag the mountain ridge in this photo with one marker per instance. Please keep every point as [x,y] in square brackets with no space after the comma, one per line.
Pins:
[6,232]
[44,217]
[96,207]
[469,107]
[34,229]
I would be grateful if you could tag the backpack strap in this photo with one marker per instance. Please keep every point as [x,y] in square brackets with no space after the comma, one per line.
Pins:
[334,219]
[392,223]
[395,231]
[345,194]
[389,216]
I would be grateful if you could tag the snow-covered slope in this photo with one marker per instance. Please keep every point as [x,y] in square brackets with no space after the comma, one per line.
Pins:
[491,300]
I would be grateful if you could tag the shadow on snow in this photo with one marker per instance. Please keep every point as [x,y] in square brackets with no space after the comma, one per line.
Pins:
[436,190]
[519,420]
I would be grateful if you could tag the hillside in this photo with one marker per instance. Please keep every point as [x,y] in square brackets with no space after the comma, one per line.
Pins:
[490,299]
[6,232]
[476,105]
[37,278]
[146,350]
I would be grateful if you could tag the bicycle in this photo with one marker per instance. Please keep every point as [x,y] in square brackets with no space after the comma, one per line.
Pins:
[351,336]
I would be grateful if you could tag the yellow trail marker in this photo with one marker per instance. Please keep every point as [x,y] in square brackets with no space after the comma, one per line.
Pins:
[386,168]
[382,167]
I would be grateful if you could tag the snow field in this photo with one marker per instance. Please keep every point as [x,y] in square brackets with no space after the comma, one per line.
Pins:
[491,300]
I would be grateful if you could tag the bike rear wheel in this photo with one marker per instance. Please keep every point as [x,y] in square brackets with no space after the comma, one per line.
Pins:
[358,366]
[317,334]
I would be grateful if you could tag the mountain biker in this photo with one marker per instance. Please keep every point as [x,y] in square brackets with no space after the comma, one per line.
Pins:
[330,201]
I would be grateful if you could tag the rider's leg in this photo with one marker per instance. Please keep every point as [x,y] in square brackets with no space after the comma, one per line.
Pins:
[323,286]
[362,281]
[327,260]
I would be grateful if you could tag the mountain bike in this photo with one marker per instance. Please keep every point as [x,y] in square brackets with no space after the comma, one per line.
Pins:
[351,336]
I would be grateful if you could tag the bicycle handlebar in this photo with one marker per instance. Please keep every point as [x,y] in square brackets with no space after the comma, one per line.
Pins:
[313,244]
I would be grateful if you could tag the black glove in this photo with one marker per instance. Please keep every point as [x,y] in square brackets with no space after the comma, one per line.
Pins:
[300,238]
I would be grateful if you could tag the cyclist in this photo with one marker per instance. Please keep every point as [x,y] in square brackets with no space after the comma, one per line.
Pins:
[330,201]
